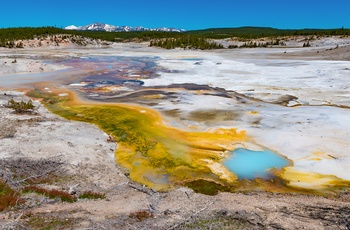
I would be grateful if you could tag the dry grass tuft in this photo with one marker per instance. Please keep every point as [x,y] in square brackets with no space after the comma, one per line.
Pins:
[92,195]
[141,215]
[8,197]
[51,193]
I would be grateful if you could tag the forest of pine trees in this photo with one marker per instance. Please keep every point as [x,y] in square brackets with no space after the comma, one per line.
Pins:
[186,42]
[252,44]
[200,39]
[9,37]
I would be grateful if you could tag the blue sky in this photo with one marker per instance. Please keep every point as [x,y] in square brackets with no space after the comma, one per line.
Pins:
[185,14]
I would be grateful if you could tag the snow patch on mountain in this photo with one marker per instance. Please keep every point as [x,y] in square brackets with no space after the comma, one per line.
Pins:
[72,27]
[111,28]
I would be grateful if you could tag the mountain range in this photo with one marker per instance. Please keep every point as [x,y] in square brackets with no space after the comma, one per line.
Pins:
[111,28]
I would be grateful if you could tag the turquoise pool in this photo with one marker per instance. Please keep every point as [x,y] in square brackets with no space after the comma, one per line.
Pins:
[249,164]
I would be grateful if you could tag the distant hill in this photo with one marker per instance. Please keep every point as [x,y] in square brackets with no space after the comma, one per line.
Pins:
[172,37]
[254,32]
[213,32]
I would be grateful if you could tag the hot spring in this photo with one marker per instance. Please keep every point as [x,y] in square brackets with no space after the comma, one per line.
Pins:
[249,164]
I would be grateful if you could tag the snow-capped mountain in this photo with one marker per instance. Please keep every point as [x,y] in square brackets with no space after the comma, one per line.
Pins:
[111,28]
[72,27]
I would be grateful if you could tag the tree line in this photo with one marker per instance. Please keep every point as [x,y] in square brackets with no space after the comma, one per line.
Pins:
[186,42]
[196,39]
[260,32]
[9,36]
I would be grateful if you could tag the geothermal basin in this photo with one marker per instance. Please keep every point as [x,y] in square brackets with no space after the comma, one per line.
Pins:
[298,108]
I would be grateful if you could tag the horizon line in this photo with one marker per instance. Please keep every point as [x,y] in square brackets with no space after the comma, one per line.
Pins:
[207,28]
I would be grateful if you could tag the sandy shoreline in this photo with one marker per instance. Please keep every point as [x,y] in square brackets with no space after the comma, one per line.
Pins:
[87,159]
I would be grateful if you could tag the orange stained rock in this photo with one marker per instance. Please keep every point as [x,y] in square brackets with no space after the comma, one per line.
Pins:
[146,144]
[310,180]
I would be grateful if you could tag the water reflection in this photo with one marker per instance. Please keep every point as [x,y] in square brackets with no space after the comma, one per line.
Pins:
[112,75]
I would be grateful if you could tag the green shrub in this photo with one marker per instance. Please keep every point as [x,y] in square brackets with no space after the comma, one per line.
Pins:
[21,107]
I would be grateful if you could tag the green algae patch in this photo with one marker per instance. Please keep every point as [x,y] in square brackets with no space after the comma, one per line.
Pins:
[147,147]
[154,154]
[208,187]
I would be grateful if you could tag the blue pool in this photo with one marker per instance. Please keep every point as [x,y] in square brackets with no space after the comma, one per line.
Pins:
[249,164]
